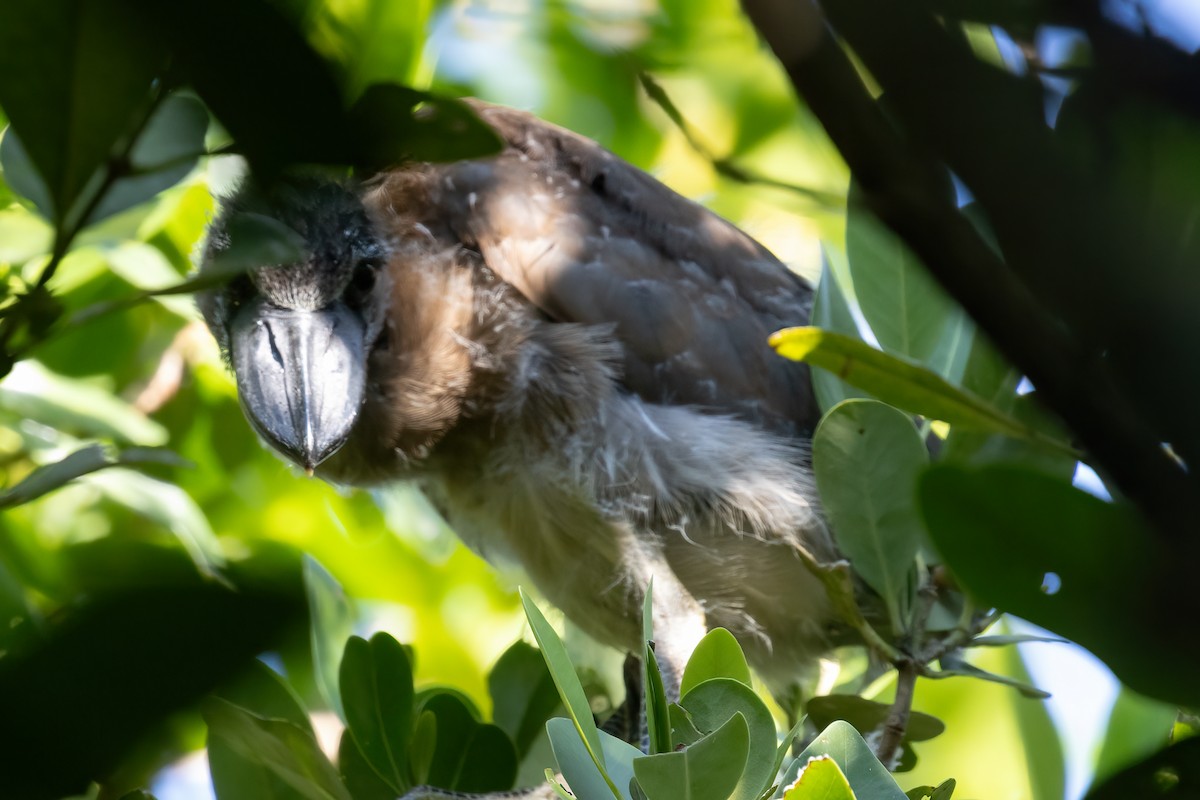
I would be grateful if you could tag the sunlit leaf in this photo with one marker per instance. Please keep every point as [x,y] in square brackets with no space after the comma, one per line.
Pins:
[867,777]
[718,655]
[1137,728]
[32,391]
[90,459]
[896,381]
[819,779]
[955,666]
[578,768]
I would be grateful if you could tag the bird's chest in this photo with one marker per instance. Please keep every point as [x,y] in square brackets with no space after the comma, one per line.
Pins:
[578,556]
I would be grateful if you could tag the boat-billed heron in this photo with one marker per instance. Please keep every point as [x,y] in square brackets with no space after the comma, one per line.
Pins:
[570,360]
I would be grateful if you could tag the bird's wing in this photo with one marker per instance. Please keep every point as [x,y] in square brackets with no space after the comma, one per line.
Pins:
[589,238]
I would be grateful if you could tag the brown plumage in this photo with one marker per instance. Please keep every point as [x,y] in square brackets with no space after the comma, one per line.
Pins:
[570,360]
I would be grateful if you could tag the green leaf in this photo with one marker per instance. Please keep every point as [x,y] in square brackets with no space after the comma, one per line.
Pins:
[943,791]
[331,624]
[150,652]
[288,751]
[866,457]
[75,77]
[235,776]
[654,702]
[567,683]
[954,666]
[1137,728]
[713,703]
[169,506]
[421,751]
[781,753]
[523,695]
[718,655]
[903,384]
[1003,529]
[360,778]
[1015,638]
[1174,772]
[578,768]
[708,770]
[90,459]
[22,235]
[907,311]
[166,150]
[22,175]
[867,715]
[868,778]
[820,779]
[76,406]
[375,682]
[831,312]
[468,756]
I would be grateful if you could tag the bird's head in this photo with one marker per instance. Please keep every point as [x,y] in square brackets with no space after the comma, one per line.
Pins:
[298,335]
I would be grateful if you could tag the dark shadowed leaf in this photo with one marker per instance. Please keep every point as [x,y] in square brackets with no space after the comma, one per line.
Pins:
[523,694]
[375,682]
[468,756]
[1172,773]
[1006,530]
[362,781]
[75,78]
[1137,728]
[395,123]
[150,652]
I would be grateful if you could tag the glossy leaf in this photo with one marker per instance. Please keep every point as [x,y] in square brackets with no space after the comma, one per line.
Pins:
[89,459]
[820,779]
[718,655]
[1003,530]
[867,777]
[866,457]
[331,625]
[712,704]
[708,770]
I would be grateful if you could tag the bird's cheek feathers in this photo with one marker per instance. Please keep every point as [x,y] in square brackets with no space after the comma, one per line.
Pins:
[300,376]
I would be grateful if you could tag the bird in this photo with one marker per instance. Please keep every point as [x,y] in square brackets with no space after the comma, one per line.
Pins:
[570,360]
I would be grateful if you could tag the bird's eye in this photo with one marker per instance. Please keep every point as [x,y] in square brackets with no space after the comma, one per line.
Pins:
[363,279]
